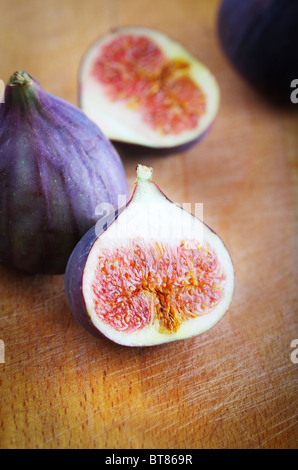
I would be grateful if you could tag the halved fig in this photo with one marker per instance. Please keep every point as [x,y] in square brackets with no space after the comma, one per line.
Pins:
[143,88]
[150,274]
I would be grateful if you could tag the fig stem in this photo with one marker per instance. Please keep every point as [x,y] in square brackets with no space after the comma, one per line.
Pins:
[22,91]
[144,173]
[19,78]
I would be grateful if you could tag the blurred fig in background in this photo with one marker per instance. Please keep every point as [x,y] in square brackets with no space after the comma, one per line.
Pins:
[260,37]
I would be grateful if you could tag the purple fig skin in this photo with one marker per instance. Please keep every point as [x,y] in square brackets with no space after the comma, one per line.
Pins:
[260,40]
[56,166]
[73,279]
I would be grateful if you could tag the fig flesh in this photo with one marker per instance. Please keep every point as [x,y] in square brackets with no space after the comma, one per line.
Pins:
[149,274]
[56,167]
[143,88]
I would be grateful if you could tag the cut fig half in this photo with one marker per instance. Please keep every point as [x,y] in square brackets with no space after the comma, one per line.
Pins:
[143,88]
[155,274]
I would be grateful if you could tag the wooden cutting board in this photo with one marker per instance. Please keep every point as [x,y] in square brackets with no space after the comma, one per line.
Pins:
[233,386]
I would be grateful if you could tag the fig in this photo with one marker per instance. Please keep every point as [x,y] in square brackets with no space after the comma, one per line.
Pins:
[56,167]
[260,39]
[150,273]
[143,88]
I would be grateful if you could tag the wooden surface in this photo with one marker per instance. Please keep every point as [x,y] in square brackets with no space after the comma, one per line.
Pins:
[235,385]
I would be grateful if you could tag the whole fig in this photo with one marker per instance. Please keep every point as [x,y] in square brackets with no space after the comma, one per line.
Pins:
[56,166]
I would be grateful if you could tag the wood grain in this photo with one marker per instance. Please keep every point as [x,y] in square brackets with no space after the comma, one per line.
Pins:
[235,385]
